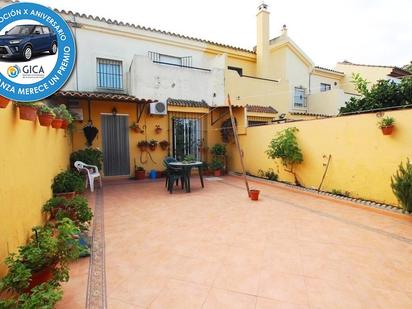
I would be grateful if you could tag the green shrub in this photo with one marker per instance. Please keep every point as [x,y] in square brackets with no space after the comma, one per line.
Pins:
[216,165]
[44,296]
[218,150]
[49,245]
[269,174]
[189,158]
[76,209]
[68,181]
[340,193]
[90,156]
[285,147]
[401,184]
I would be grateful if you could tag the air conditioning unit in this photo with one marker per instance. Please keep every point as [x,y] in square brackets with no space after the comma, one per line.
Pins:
[158,108]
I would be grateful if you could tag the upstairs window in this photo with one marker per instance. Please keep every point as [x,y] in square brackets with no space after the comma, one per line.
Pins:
[325,87]
[299,100]
[171,60]
[238,70]
[109,74]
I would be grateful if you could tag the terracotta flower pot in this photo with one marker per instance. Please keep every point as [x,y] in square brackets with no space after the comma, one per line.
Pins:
[65,124]
[28,113]
[387,130]
[254,195]
[158,130]
[57,123]
[159,174]
[152,147]
[217,173]
[4,102]
[40,277]
[66,195]
[139,175]
[45,120]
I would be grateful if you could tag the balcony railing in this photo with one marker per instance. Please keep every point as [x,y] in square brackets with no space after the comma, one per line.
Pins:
[182,66]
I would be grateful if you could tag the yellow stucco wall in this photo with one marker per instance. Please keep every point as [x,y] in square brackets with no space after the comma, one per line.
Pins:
[363,159]
[212,133]
[30,156]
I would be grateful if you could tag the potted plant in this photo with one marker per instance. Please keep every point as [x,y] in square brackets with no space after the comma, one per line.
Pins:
[164,144]
[4,102]
[76,209]
[45,115]
[143,145]
[158,129]
[27,110]
[66,116]
[189,159]
[58,120]
[254,194]
[153,144]
[387,125]
[67,184]
[216,166]
[92,156]
[139,173]
[135,127]
[45,257]
[218,150]
[45,295]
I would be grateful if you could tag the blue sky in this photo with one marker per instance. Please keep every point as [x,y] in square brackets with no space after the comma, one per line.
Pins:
[361,31]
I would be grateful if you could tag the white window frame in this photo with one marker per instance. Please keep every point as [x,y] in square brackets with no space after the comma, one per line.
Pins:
[325,87]
[299,98]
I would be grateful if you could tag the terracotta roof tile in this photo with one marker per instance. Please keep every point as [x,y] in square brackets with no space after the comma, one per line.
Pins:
[330,70]
[120,23]
[261,109]
[187,103]
[102,96]
[311,114]
[404,72]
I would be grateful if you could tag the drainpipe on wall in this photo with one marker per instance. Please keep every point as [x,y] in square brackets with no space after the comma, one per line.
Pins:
[310,75]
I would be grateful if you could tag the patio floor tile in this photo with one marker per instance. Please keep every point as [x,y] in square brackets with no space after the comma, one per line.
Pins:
[214,248]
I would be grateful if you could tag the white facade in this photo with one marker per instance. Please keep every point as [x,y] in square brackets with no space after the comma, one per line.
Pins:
[200,78]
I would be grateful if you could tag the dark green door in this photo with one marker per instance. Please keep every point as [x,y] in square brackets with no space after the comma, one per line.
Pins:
[115,131]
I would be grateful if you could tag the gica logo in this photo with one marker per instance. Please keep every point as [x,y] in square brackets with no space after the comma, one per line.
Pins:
[30,72]
[13,71]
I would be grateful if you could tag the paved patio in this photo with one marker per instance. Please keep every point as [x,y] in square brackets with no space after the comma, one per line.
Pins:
[214,248]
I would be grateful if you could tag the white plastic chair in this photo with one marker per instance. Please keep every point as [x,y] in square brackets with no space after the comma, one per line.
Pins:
[91,172]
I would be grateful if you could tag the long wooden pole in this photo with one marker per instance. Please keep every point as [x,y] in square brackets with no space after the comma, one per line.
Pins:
[232,119]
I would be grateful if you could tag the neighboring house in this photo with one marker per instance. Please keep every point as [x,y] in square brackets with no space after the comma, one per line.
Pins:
[372,73]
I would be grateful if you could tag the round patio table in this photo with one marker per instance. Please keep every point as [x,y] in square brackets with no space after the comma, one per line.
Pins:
[187,168]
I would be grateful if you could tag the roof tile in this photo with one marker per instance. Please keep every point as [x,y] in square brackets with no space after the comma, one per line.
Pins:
[102,96]
[261,109]
[187,103]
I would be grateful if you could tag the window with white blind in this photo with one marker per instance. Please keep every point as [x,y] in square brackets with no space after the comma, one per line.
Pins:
[109,74]
[299,100]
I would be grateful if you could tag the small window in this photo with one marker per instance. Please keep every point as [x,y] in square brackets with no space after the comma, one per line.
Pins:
[324,87]
[299,98]
[238,70]
[46,30]
[109,74]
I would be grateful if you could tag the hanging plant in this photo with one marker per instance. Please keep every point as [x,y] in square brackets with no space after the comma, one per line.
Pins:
[158,129]
[135,127]
[143,145]
[164,144]
[90,132]
[153,144]
[226,131]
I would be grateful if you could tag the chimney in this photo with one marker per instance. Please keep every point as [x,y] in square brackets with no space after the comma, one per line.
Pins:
[284,31]
[262,44]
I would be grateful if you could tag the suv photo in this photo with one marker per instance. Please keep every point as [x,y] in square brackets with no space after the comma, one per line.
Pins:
[24,41]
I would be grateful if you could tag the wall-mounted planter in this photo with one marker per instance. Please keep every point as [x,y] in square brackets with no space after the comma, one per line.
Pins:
[158,129]
[57,123]
[28,113]
[45,120]
[387,130]
[4,102]
[65,124]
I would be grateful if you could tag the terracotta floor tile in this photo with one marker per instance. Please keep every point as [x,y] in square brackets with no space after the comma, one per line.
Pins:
[179,294]
[266,303]
[290,250]
[283,287]
[238,278]
[223,299]
[139,289]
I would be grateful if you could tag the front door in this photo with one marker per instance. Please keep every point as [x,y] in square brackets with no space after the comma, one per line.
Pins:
[187,138]
[115,132]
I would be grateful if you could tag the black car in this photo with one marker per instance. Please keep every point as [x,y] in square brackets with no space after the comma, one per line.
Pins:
[23,41]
